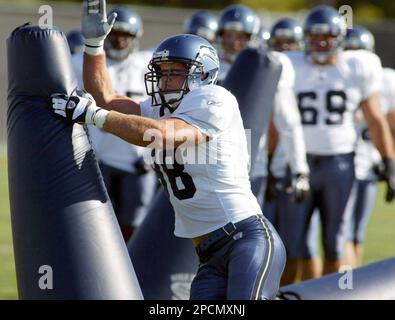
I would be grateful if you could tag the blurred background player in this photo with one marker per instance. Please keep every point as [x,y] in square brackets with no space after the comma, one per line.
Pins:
[331,85]
[367,158]
[75,41]
[129,181]
[238,27]
[287,35]
[203,24]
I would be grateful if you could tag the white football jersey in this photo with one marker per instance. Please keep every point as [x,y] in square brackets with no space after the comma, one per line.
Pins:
[127,77]
[366,154]
[211,186]
[287,121]
[328,97]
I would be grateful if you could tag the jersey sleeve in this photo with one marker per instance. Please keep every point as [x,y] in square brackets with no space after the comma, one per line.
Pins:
[288,123]
[287,78]
[210,110]
[146,109]
[371,73]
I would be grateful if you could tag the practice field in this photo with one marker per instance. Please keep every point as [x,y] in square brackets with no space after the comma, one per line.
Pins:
[379,243]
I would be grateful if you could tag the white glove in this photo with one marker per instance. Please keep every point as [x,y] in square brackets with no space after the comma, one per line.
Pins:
[80,107]
[95,25]
[301,187]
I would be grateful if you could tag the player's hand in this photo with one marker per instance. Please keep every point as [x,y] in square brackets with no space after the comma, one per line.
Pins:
[389,178]
[379,170]
[80,107]
[272,188]
[95,25]
[301,187]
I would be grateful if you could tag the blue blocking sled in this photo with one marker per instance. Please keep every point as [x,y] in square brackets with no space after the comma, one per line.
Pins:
[67,242]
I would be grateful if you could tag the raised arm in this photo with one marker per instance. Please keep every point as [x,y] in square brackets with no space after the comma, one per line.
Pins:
[98,83]
[95,27]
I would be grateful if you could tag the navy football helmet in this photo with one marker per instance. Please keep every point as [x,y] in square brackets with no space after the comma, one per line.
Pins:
[201,68]
[237,18]
[359,38]
[202,23]
[75,41]
[125,34]
[324,30]
[262,38]
[286,34]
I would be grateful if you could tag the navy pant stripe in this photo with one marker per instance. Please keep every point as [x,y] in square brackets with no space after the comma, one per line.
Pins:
[258,287]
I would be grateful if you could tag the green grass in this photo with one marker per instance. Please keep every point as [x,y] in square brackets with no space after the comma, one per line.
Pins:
[7,266]
[380,238]
[379,245]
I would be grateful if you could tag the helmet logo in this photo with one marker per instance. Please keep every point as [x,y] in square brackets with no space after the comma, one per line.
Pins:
[321,28]
[162,54]
[234,25]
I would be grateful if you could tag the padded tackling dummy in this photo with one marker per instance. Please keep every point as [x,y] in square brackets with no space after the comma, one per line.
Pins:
[67,241]
[165,264]
[375,281]
[253,80]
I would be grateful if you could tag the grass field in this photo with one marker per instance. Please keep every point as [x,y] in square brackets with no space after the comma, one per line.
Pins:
[380,241]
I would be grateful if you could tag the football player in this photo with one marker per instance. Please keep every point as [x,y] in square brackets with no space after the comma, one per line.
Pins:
[203,24]
[331,85]
[122,164]
[241,255]
[367,158]
[287,35]
[238,28]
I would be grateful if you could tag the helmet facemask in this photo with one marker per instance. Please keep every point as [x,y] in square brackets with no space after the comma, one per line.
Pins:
[168,86]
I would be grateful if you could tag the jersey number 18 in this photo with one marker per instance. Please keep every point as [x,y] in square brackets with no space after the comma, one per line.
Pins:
[174,172]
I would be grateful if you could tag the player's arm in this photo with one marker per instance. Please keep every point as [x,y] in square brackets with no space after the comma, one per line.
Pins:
[272,138]
[391,122]
[95,27]
[146,132]
[381,136]
[378,127]
[162,134]
[98,83]
[288,123]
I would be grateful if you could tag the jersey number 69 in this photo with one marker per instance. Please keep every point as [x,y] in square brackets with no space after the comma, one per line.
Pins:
[309,114]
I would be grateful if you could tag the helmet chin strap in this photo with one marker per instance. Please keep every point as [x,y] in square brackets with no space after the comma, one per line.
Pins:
[173,99]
